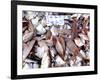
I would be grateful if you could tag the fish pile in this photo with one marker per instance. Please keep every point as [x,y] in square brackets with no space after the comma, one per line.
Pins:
[51,43]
